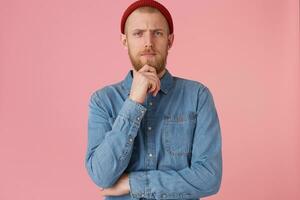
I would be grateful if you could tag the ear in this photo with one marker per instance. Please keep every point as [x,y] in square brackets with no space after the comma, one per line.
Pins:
[170,40]
[124,42]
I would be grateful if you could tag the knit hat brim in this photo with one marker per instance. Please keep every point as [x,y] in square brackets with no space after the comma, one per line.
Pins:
[151,3]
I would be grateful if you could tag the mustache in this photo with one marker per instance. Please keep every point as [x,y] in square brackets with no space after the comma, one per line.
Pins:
[148,52]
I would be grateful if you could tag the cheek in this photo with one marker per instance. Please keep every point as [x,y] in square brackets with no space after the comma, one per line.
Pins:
[136,43]
[162,46]
[162,51]
[135,50]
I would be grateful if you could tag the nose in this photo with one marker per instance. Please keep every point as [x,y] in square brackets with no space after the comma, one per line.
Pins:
[148,40]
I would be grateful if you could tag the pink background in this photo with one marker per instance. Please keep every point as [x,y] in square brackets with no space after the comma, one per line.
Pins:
[54,54]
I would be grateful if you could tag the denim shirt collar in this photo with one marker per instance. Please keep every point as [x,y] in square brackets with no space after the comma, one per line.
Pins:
[166,82]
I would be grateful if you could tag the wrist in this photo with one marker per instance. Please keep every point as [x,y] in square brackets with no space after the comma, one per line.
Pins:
[135,100]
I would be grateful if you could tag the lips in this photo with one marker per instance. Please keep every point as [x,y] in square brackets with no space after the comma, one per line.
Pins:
[148,54]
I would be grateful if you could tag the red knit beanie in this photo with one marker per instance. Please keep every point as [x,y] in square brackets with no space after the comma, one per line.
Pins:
[150,3]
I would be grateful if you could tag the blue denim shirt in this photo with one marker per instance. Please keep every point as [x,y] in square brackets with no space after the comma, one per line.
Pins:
[170,145]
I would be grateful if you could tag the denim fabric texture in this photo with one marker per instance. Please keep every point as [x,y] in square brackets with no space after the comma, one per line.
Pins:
[170,145]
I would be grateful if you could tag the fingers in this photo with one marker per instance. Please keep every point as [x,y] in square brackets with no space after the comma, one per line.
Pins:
[153,81]
[152,86]
[105,192]
[148,68]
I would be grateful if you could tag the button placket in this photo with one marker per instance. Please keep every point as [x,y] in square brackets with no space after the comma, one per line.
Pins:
[150,147]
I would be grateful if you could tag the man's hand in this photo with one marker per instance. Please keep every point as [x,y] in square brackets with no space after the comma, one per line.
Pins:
[121,187]
[145,80]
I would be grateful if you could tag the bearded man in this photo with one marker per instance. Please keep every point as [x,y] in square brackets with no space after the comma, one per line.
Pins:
[153,135]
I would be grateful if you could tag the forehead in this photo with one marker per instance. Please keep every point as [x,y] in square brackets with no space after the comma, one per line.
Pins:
[146,20]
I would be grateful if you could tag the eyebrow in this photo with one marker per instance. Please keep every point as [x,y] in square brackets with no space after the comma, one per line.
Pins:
[158,29]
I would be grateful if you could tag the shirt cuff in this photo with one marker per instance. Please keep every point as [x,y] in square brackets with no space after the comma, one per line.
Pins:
[133,111]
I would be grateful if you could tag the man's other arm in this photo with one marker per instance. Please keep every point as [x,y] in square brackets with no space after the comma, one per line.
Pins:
[110,147]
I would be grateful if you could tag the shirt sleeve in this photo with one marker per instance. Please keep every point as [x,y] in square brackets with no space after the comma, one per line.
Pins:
[203,177]
[110,146]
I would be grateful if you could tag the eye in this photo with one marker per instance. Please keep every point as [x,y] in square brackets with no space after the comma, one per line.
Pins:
[137,33]
[158,33]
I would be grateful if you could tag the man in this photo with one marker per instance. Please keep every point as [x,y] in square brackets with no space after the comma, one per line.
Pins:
[153,135]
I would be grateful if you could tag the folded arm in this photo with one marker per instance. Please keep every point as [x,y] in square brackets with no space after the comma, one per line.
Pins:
[110,146]
[203,177]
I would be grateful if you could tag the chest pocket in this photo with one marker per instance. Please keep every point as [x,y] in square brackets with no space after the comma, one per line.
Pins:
[178,132]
